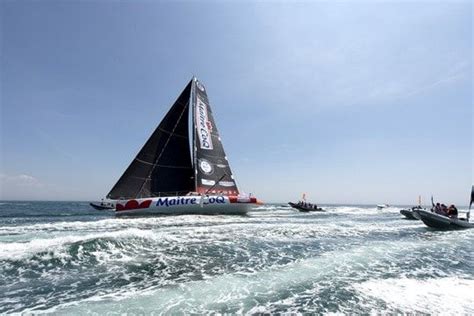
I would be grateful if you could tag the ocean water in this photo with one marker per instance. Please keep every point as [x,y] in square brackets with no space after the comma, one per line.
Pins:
[65,258]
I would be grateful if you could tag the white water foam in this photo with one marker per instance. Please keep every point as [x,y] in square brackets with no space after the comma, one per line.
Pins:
[126,222]
[183,229]
[328,251]
[22,250]
[265,212]
[451,295]
[259,291]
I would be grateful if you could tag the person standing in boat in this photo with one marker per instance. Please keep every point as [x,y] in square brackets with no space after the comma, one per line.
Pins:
[437,208]
[452,211]
[444,210]
[441,209]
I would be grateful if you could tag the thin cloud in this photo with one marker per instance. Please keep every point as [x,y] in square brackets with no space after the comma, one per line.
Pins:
[13,187]
[459,74]
[21,180]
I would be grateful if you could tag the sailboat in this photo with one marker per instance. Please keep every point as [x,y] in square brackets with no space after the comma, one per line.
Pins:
[438,221]
[182,168]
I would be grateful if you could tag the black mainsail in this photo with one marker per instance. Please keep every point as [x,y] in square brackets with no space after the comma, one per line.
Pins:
[164,165]
[213,173]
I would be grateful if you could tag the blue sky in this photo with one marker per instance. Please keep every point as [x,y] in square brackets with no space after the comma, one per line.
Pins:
[350,102]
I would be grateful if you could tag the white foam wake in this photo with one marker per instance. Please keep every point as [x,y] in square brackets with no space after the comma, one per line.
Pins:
[258,291]
[21,250]
[449,295]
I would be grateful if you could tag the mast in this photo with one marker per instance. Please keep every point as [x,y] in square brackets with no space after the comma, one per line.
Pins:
[193,122]
[470,203]
[472,197]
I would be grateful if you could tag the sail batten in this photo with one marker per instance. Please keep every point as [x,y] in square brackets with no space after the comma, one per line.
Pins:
[174,134]
[159,165]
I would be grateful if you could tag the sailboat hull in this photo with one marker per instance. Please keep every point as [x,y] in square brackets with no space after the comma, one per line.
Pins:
[208,205]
